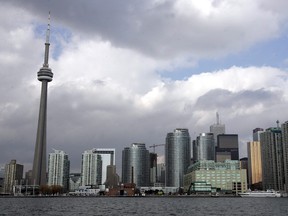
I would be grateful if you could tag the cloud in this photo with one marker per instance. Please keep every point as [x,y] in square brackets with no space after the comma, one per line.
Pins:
[108,90]
[167,28]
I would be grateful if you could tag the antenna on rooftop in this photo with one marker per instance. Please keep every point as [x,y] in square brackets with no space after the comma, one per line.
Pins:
[217,118]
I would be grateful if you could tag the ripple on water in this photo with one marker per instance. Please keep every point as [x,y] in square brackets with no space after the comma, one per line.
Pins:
[61,206]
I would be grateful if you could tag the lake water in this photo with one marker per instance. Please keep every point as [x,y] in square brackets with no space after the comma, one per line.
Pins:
[143,206]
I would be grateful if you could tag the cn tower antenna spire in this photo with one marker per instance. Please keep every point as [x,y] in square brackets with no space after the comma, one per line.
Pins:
[47,43]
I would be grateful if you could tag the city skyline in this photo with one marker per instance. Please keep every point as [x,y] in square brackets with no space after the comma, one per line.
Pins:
[151,67]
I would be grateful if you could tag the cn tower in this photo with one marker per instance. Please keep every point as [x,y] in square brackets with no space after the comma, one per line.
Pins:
[45,75]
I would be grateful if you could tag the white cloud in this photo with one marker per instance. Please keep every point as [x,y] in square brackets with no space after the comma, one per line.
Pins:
[107,89]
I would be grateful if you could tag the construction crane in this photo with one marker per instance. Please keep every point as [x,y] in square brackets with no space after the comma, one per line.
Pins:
[156,145]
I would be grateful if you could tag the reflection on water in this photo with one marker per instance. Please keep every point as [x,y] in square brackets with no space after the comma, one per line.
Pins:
[143,206]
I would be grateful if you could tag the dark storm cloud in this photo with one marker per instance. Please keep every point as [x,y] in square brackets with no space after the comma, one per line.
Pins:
[163,28]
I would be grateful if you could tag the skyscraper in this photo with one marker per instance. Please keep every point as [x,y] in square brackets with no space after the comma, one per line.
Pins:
[13,176]
[135,165]
[45,75]
[204,147]
[217,128]
[58,169]
[153,168]
[254,165]
[256,133]
[227,148]
[177,157]
[272,159]
[91,169]
[284,128]
[108,158]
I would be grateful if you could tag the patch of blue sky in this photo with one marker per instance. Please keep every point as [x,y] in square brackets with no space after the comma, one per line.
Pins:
[273,53]
[58,36]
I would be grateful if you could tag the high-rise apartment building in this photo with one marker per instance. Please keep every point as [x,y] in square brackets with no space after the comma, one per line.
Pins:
[177,157]
[45,75]
[58,169]
[256,134]
[13,176]
[2,174]
[161,174]
[108,158]
[204,147]
[272,159]
[284,128]
[254,165]
[135,165]
[227,148]
[74,181]
[217,129]
[153,169]
[91,168]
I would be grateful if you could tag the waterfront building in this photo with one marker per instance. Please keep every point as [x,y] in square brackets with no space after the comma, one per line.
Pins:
[91,168]
[112,180]
[244,165]
[13,176]
[254,165]
[153,169]
[225,176]
[45,75]
[227,148]
[29,178]
[108,158]
[74,181]
[58,169]
[256,134]
[272,158]
[204,147]
[2,174]
[284,128]
[217,129]
[177,157]
[161,174]
[135,165]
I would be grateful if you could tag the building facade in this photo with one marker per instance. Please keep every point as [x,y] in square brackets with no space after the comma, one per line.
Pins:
[256,134]
[153,169]
[112,180]
[13,176]
[74,181]
[224,176]
[177,157]
[227,148]
[136,165]
[254,165]
[59,169]
[204,147]
[108,158]
[91,169]
[272,159]
[284,128]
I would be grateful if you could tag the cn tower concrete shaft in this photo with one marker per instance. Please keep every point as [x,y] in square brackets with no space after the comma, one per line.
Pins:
[45,75]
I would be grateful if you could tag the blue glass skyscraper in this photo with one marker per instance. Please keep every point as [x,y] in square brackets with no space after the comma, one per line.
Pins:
[177,157]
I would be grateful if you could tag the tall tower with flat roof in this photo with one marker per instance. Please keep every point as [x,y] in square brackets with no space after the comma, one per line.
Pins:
[45,75]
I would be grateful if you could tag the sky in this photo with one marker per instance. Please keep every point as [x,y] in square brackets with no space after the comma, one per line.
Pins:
[132,71]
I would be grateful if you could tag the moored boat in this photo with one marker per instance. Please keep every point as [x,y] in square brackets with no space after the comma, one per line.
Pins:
[268,193]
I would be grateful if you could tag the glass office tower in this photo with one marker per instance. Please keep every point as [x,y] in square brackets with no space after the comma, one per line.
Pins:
[177,157]
[204,147]
[135,165]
